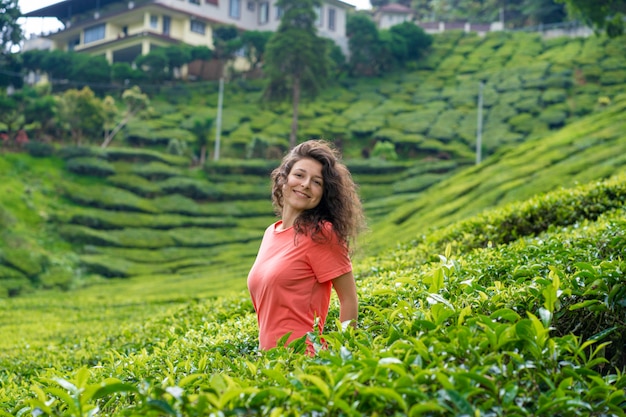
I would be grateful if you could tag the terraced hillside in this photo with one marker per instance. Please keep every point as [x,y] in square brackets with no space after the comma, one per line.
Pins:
[529,324]
[590,149]
[532,86]
[137,211]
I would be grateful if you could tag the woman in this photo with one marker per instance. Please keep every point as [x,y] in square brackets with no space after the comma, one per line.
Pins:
[305,253]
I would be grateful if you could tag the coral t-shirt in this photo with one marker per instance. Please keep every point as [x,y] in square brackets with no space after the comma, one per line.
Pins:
[290,282]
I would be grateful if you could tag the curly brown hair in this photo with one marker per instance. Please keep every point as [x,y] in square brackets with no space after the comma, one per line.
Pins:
[340,204]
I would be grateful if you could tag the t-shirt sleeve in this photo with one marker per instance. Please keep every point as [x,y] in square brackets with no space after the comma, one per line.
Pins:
[329,260]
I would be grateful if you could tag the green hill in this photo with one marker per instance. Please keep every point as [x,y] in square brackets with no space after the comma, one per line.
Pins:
[490,289]
[589,149]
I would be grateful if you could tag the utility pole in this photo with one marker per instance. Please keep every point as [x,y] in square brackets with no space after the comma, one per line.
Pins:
[218,128]
[479,129]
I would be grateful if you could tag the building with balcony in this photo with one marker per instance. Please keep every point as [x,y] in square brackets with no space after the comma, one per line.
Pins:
[121,30]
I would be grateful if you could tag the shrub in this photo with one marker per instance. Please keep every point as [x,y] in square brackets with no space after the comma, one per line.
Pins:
[103,196]
[39,149]
[384,150]
[26,261]
[90,166]
[145,155]
[528,105]
[554,117]
[553,95]
[192,188]
[612,77]
[559,81]
[69,152]
[366,127]
[388,134]
[500,113]
[522,123]
[155,170]
[106,219]
[135,184]
[559,208]
[12,282]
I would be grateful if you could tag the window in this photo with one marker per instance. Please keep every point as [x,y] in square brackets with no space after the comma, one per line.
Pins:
[318,16]
[154,21]
[234,9]
[167,22]
[251,6]
[94,33]
[198,27]
[279,12]
[331,18]
[264,13]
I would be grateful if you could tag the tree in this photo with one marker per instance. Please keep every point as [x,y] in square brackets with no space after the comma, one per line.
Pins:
[254,42]
[155,64]
[365,45]
[10,29]
[81,113]
[40,109]
[135,102]
[226,41]
[11,35]
[10,112]
[91,70]
[379,3]
[177,56]
[393,50]
[296,59]
[123,73]
[416,39]
[201,127]
[600,14]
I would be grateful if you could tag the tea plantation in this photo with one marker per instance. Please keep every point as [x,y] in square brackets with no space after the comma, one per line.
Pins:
[495,289]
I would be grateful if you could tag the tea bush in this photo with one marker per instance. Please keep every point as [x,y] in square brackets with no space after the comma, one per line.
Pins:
[444,330]
[90,166]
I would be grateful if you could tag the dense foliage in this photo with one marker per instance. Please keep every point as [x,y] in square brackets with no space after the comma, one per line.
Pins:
[496,289]
[447,328]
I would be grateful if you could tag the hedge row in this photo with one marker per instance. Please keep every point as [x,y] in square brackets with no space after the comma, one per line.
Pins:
[538,214]
[106,219]
[147,238]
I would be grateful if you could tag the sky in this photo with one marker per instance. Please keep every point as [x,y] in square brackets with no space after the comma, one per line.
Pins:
[37,25]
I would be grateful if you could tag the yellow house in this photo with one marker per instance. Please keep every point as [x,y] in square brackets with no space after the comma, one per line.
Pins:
[121,30]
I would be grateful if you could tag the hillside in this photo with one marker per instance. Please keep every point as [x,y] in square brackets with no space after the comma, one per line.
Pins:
[529,325]
[494,289]
[589,149]
[140,212]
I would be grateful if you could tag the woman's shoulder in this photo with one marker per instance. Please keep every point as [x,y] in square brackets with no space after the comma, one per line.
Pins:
[328,233]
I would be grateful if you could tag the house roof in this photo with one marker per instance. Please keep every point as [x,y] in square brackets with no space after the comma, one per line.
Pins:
[395,8]
[68,8]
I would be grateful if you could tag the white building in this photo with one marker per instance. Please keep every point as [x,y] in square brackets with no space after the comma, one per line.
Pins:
[121,30]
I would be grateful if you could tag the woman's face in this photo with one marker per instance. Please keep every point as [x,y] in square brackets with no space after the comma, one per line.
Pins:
[304,187]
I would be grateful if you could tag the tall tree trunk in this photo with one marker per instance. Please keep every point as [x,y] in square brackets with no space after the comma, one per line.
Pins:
[202,155]
[294,118]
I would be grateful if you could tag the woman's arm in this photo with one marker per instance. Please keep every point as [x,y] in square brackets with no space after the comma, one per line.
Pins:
[345,288]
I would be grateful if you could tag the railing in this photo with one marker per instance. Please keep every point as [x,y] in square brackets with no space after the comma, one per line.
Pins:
[572,29]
